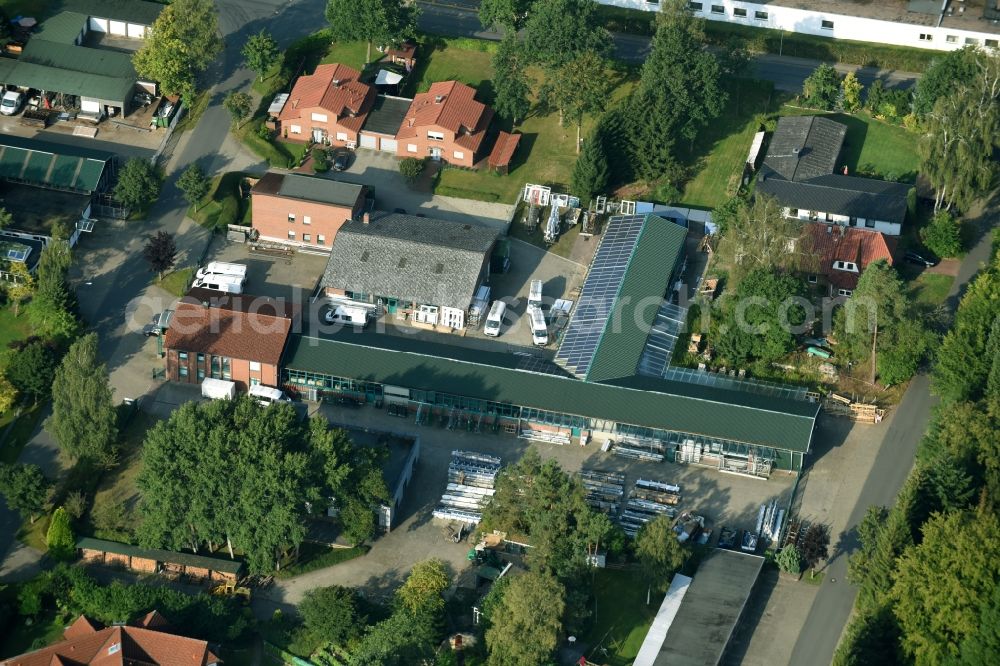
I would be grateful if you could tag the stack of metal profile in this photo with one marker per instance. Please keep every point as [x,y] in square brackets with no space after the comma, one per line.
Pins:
[471,480]
[647,500]
[604,489]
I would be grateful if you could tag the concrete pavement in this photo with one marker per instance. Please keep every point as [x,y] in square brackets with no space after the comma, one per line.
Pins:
[786,72]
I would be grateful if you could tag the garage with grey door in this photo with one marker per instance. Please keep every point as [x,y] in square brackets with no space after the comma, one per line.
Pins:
[369,141]
[388,145]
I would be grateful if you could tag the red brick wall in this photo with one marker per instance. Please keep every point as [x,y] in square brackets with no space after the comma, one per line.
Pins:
[270,219]
[307,125]
[143,564]
[239,368]
[447,147]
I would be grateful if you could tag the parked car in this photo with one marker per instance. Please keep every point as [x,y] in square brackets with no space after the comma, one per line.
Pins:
[152,329]
[341,159]
[920,260]
[10,103]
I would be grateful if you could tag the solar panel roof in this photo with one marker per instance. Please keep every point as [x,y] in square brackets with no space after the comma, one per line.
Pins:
[599,292]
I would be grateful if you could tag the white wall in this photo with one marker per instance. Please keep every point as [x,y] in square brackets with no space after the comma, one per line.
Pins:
[887,228]
[844,27]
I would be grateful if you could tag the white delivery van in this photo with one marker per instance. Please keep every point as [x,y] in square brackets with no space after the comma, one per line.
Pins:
[268,395]
[494,320]
[218,389]
[347,314]
[217,268]
[539,330]
[535,294]
[224,283]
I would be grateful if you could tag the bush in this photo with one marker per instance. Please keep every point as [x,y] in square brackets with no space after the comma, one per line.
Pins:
[59,539]
[789,560]
[410,168]
[320,163]
[328,559]
[943,235]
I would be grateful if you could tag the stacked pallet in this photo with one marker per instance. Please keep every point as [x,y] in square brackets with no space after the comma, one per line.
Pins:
[604,489]
[645,451]
[647,500]
[471,481]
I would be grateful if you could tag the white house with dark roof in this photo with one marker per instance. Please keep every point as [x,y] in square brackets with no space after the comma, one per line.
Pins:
[412,267]
[800,171]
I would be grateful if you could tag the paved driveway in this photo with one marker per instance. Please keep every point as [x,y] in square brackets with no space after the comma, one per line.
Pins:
[378,170]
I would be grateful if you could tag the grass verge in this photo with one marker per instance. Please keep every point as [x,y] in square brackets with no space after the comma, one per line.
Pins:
[13,328]
[223,205]
[621,616]
[33,534]
[193,111]
[931,289]
[315,556]
[176,282]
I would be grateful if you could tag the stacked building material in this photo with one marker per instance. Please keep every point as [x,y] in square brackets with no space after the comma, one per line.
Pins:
[604,489]
[471,480]
[769,520]
[654,453]
[647,500]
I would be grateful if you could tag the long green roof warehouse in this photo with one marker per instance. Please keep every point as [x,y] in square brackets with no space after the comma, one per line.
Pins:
[611,381]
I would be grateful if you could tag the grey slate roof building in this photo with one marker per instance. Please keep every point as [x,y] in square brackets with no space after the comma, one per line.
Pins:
[418,259]
[386,115]
[799,171]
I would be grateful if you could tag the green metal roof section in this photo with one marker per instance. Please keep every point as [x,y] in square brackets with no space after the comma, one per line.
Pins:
[51,165]
[62,28]
[657,251]
[640,401]
[132,11]
[169,556]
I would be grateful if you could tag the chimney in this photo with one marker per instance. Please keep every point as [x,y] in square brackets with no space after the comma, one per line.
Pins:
[336,83]
[366,218]
[438,99]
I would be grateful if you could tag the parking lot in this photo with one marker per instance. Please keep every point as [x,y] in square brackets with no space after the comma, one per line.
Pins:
[380,172]
[292,279]
[723,499]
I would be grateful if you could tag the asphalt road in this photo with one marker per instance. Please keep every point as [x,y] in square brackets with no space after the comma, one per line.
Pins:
[832,607]
[786,72]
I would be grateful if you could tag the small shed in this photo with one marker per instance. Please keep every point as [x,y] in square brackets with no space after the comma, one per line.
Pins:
[404,54]
[154,560]
[503,152]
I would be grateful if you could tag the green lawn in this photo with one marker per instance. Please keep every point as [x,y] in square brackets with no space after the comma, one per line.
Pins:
[13,328]
[351,54]
[725,144]
[176,283]
[621,616]
[223,204]
[21,637]
[444,60]
[931,289]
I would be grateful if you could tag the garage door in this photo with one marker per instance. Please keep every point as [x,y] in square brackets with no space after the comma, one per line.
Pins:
[136,31]
[98,24]
[389,145]
[118,28]
[369,141]
[90,106]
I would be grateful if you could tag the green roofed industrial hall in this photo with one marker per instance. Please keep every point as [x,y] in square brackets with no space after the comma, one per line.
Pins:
[610,384]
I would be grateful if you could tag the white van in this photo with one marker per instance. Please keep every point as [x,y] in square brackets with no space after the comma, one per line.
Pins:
[225,284]
[268,395]
[494,320]
[218,389]
[539,330]
[347,314]
[222,268]
[535,294]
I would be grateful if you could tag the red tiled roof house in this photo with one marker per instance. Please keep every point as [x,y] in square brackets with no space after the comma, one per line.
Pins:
[445,123]
[87,642]
[238,338]
[840,254]
[328,106]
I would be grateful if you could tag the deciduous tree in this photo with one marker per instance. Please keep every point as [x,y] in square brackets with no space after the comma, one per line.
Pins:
[5,218]
[510,83]
[331,614]
[759,236]
[22,287]
[183,41]
[850,91]
[138,183]
[50,310]
[424,586]
[943,236]
[31,369]
[508,14]
[25,488]
[526,626]
[8,394]
[378,21]
[679,93]
[659,551]
[557,31]
[84,421]
[194,185]
[948,72]
[160,252]
[260,53]
[578,87]
[239,105]
[815,545]
[789,560]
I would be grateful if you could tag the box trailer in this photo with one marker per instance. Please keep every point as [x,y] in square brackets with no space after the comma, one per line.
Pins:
[539,329]
[535,294]
[218,389]
[215,268]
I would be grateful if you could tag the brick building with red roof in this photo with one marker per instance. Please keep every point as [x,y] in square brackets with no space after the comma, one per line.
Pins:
[150,643]
[328,106]
[238,338]
[445,123]
[840,254]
